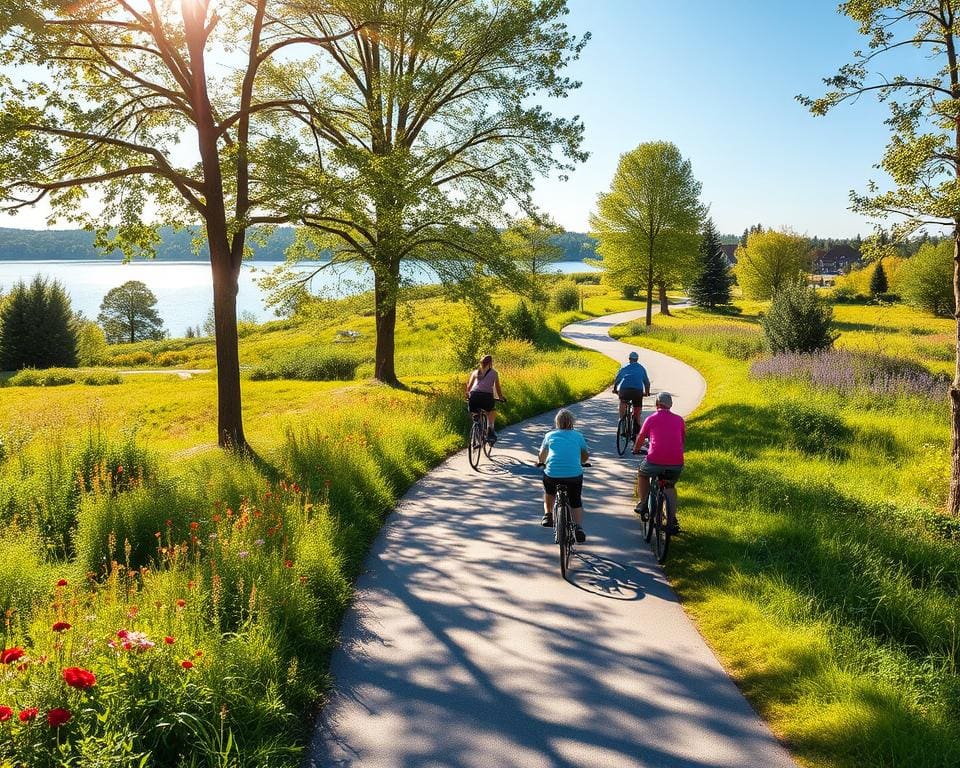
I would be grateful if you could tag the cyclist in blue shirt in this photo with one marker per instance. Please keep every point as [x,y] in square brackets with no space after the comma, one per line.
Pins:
[564,451]
[632,384]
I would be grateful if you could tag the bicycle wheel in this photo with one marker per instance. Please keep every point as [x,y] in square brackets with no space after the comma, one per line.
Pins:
[623,433]
[663,532]
[562,521]
[652,501]
[487,445]
[475,444]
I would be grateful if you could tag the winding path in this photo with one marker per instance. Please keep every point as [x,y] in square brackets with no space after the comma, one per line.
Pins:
[465,648]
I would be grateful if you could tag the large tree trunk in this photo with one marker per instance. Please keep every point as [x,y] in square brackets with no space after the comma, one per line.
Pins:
[664,304]
[953,504]
[385,284]
[229,413]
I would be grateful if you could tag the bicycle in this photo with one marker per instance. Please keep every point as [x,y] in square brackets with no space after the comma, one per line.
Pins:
[477,437]
[565,528]
[627,429]
[657,520]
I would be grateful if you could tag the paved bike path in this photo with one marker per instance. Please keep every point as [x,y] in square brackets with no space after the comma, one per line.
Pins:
[465,649]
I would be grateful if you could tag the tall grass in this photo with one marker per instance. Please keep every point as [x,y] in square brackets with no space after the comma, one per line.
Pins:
[817,562]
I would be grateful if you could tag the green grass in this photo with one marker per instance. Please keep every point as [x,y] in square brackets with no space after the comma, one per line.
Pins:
[817,565]
[244,565]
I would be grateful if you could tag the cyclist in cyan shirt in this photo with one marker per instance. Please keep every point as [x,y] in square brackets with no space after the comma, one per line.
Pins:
[667,433]
[564,451]
[632,383]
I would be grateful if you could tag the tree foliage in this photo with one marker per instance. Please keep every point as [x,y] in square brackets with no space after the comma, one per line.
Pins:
[530,243]
[926,279]
[711,287]
[427,131]
[798,321]
[769,261]
[878,280]
[647,224]
[127,313]
[36,327]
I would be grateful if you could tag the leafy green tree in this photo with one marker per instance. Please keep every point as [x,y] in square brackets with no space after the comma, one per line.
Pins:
[530,243]
[771,260]
[127,313]
[711,287]
[647,224]
[926,279]
[923,155]
[798,321]
[878,280]
[123,102]
[91,340]
[427,130]
[36,327]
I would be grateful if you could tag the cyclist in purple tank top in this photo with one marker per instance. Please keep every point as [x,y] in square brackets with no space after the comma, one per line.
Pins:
[483,390]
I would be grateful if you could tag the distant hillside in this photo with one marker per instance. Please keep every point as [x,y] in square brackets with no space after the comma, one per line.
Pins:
[77,244]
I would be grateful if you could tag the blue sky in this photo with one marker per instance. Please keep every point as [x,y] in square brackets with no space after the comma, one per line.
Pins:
[718,78]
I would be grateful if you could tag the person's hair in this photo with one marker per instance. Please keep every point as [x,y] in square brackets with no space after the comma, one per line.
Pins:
[485,360]
[563,419]
[665,399]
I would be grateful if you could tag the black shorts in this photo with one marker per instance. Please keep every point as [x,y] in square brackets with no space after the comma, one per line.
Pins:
[633,395]
[480,401]
[574,488]
[670,472]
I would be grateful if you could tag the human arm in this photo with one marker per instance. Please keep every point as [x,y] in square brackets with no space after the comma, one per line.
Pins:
[617,379]
[646,383]
[470,381]
[496,386]
[644,434]
[544,452]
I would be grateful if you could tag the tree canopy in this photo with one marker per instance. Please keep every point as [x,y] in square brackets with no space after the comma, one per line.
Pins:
[925,280]
[127,313]
[426,131]
[711,287]
[647,224]
[36,327]
[769,261]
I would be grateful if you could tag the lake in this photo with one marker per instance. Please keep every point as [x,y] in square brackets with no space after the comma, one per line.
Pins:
[184,289]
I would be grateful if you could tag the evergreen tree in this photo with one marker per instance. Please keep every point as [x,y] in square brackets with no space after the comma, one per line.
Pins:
[878,280]
[36,327]
[712,286]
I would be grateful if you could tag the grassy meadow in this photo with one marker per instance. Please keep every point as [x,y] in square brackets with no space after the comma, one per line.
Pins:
[814,559]
[166,603]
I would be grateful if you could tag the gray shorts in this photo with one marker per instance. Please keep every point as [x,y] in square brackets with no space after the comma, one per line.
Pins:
[669,472]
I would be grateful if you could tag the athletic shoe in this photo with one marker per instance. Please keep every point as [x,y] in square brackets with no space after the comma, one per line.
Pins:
[547,520]
[581,536]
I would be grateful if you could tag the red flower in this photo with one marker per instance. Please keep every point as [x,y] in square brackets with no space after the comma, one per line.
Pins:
[10,655]
[169,640]
[197,653]
[194,526]
[5,714]
[288,563]
[57,717]
[180,602]
[26,715]
[78,677]
[60,626]
[119,469]
[62,583]
[122,634]
[187,664]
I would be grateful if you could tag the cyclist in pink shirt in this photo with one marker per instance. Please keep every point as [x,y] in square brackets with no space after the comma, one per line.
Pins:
[667,433]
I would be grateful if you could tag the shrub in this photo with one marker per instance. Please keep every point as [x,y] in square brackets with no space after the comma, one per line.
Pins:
[812,428]
[629,291]
[517,353]
[311,364]
[48,377]
[471,339]
[522,323]
[170,359]
[131,358]
[585,278]
[566,296]
[100,378]
[846,294]
[798,321]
